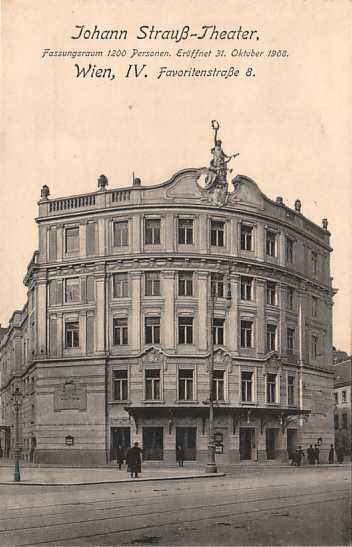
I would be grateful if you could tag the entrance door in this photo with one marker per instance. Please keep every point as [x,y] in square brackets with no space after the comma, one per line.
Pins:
[247,442]
[271,443]
[153,443]
[187,438]
[120,436]
[291,441]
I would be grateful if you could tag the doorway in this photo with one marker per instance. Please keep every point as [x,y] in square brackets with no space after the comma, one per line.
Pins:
[187,438]
[271,443]
[120,436]
[291,442]
[153,443]
[247,442]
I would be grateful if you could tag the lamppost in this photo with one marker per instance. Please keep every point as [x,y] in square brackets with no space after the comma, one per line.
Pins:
[17,396]
[214,289]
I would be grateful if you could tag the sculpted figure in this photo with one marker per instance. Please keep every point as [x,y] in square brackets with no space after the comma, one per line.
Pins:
[218,169]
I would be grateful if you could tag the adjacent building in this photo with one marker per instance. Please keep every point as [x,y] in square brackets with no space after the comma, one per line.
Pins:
[136,293]
[343,397]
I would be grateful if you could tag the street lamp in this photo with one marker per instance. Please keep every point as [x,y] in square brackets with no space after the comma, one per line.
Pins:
[17,397]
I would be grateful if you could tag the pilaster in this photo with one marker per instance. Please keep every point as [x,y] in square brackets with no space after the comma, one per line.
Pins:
[202,292]
[136,311]
[232,335]
[83,239]
[168,335]
[260,325]
[41,312]
[100,312]
[60,241]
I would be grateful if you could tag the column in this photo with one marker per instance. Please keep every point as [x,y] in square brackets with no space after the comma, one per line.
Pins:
[83,238]
[232,334]
[59,334]
[101,236]
[234,251]
[169,319]
[83,331]
[41,312]
[60,241]
[170,234]
[203,233]
[100,312]
[136,234]
[136,320]
[260,326]
[281,334]
[260,241]
[203,320]
[281,248]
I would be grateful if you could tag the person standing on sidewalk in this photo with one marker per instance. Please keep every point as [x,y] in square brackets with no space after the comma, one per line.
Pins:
[119,456]
[310,454]
[331,454]
[179,455]
[134,460]
[316,454]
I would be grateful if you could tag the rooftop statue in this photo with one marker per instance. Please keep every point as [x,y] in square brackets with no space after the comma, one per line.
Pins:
[217,171]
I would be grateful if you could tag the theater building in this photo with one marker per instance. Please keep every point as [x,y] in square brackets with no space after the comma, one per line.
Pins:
[136,293]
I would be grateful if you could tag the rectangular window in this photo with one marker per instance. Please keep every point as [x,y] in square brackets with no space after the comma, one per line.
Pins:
[336,398]
[271,388]
[271,337]
[185,231]
[290,340]
[246,334]
[344,421]
[152,385]
[343,396]
[270,243]
[246,288]
[271,293]
[314,259]
[120,285]
[315,342]
[72,289]
[120,385]
[217,231]
[152,283]
[246,237]
[72,240]
[336,421]
[218,332]
[289,250]
[218,385]
[152,231]
[71,334]
[185,385]
[120,331]
[185,284]
[185,330]
[217,285]
[152,330]
[314,306]
[291,390]
[246,386]
[121,233]
[290,296]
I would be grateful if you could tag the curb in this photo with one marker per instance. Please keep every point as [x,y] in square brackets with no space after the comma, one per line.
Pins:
[118,481]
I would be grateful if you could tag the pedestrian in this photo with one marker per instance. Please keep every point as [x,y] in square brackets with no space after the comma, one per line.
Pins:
[119,456]
[179,455]
[331,454]
[339,452]
[316,454]
[134,460]
[299,456]
[310,454]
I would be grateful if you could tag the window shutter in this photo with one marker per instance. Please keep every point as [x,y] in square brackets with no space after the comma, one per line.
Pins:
[53,335]
[90,334]
[52,292]
[90,288]
[59,283]
[52,243]
[91,238]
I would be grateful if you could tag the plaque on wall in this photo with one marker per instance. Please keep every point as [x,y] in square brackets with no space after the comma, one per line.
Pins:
[70,396]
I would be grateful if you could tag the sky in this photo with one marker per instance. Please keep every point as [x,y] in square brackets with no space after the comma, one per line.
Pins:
[291,122]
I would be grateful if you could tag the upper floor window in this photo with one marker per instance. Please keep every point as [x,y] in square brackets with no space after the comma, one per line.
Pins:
[246,386]
[185,330]
[291,390]
[152,330]
[185,284]
[152,231]
[343,396]
[120,331]
[152,384]
[314,259]
[271,337]
[120,385]
[344,421]
[246,237]
[336,397]
[246,288]
[289,250]
[121,233]
[217,231]
[315,341]
[217,285]
[218,385]
[152,284]
[218,331]
[270,243]
[336,421]
[290,296]
[185,231]
[314,306]
[185,384]
[72,289]
[71,334]
[120,285]
[290,340]
[246,334]
[72,240]
[271,388]
[271,293]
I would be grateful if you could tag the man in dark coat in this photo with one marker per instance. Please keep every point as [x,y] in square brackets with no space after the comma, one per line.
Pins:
[134,460]
[299,455]
[316,453]
[310,454]
[179,455]
[331,454]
